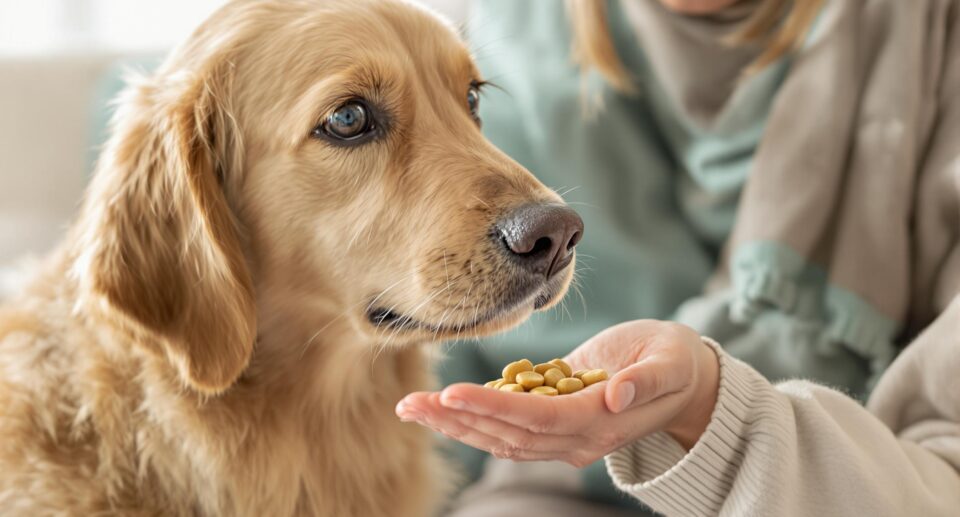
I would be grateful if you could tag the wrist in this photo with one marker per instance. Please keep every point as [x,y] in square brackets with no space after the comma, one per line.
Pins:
[692,421]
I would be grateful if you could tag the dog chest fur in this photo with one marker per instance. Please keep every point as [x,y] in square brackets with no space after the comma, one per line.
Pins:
[93,424]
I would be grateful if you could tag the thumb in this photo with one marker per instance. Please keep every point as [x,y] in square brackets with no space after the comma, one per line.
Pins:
[642,382]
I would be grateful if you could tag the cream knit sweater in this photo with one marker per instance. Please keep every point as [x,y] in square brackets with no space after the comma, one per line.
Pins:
[802,449]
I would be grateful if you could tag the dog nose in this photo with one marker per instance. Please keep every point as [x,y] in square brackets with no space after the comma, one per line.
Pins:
[542,237]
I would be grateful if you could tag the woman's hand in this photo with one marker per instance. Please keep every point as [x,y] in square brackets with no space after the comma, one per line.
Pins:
[666,380]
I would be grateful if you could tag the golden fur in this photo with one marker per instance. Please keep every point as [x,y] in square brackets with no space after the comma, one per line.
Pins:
[201,344]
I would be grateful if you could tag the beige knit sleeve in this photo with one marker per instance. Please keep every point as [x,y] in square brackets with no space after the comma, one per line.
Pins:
[796,449]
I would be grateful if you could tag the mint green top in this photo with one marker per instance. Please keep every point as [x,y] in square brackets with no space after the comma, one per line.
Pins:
[656,183]
[657,193]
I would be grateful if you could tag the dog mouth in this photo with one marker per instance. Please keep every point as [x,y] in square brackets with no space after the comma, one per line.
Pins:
[536,298]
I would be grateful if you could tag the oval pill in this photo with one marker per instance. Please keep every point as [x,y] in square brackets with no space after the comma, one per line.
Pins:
[545,390]
[579,373]
[512,387]
[569,385]
[529,380]
[492,384]
[552,376]
[542,368]
[564,367]
[593,377]
[511,370]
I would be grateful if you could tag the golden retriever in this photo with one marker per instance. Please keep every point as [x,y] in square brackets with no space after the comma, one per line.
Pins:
[294,205]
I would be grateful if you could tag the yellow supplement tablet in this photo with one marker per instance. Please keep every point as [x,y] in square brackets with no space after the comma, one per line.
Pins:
[552,376]
[569,385]
[593,377]
[494,383]
[511,370]
[579,373]
[564,367]
[543,367]
[529,380]
[512,387]
[545,390]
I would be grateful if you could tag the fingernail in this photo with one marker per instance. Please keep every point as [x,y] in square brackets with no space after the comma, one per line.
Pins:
[623,396]
[407,413]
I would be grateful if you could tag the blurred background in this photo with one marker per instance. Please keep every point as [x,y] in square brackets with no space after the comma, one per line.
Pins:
[60,64]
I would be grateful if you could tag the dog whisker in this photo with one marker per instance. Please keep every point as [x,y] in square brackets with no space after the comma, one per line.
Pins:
[575,285]
[564,311]
[446,271]
[411,316]
[455,308]
[566,191]
[582,203]
[443,318]
[356,237]
[463,303]
[306,345]
[482,202]
[385,291]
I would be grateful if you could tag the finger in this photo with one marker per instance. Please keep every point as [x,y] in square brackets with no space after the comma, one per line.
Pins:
[645,381]
[493,445]
[515,436]
[568,414]
[511,443]
[414,406]
[427,406]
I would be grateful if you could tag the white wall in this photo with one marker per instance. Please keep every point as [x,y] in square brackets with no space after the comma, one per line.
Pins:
[68,26]
[45,146]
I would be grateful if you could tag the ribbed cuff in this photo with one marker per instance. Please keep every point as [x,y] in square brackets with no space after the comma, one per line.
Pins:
[659,472]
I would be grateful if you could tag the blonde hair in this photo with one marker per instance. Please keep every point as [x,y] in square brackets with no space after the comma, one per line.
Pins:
[779,25]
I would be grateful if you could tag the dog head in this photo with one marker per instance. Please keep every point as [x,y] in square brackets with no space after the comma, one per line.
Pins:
[327,153]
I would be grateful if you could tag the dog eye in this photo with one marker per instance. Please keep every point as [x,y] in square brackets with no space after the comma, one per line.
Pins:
[473,101]
[349,122]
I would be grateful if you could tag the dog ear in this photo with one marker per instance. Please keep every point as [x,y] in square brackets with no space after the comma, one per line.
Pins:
[160,243]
